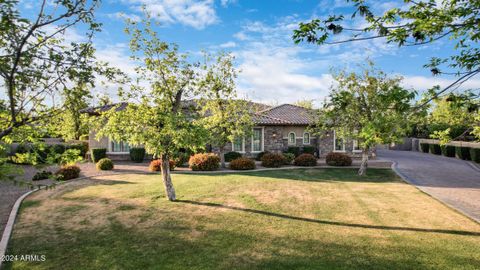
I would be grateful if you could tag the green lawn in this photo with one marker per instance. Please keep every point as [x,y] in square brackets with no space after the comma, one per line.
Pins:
[287,219]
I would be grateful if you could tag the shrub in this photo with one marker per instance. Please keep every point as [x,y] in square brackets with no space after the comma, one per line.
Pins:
[273,160]
[68,172]
[294,150]
[42,175]
[305,160]
[462,152]
[204,162]
[137,154]
[84,137]
[58,148]
[242,164]
[104,164]
[448,150]
[156,165]
[309,150]
[289,157]
[181,158]
[231,156]
[82,147]
[23,148]
[259,156]
[475,154]
[98,153]
[434,149]
[338,159]
[424,147]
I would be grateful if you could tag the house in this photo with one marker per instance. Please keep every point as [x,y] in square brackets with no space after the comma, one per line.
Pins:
[275,129]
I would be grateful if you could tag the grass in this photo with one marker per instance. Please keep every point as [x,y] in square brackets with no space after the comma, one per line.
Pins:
[289,219]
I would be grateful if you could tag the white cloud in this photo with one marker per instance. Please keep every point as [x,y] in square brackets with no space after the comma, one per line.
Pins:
[194,13]
[229,44]
[225,3]
[240,36]
[123,16]
[423,83]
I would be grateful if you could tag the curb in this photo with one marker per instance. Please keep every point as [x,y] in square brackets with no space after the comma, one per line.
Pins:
[413,182]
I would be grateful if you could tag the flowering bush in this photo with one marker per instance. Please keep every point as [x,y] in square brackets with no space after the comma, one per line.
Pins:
[156,165]
[204,162]
[273,160]
[68,172]
[242,164]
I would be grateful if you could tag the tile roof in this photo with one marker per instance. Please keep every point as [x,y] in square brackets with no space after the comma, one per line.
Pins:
[286,114]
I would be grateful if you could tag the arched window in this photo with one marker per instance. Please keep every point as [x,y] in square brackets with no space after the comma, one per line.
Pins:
[292,138]
[306,138]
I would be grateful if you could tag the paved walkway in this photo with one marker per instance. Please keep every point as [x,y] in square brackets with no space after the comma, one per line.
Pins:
[452,181]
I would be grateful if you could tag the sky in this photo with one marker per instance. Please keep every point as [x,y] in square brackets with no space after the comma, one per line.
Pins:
[273,69]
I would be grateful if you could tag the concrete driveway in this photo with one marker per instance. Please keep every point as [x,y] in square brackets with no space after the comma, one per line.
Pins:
[452,181]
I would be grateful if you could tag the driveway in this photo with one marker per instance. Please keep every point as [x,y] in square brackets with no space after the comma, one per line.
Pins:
[452,181]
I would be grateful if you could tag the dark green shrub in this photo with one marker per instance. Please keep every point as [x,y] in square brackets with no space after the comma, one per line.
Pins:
[462,152]
[289,157]
[68,172]
[259,156]
[448,150]
[273,160]
[231,156]
[294,150]
[104,164]
[424,147]
[156,165]
[42,152]
[305,160]
[23,148]
[42,175]
[434,149]
[98,153]
[475,154]
[181,158]
[242,163]
[204,162]
[137,154]
[308,150]
[338,159]
[58,148]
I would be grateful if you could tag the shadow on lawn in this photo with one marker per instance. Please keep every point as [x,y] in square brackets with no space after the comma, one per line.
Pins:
[327,222]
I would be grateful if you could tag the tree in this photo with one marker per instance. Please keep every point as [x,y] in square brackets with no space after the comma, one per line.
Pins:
[36,62]
[305,103]
[415,23]
[159,119]
[225,117]
[368,107]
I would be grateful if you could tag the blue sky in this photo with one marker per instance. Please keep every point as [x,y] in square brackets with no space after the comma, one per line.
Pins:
[258,33]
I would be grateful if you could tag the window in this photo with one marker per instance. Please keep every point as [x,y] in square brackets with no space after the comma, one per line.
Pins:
[257,140]
[338,143]
[119,146]
[356,147]
[306,138]
[292,138]
[238,145]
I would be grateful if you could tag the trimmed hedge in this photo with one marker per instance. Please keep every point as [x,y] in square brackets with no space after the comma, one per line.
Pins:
[424,147]
[204,162]
[68,172]
[232,156]
[448,150]
[434,149]
[289,157]
[338,159]
[309,150]
[42,175]
[294,150]
[273,160]
[308,160]
[242,164]
[475,154]
[259,156]
[104,164]
[137,154]
[156,165]
[98,153]
[462,152]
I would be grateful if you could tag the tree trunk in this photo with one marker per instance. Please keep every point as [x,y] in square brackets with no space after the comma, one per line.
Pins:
[167,180]
[364,164]
[222,156]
